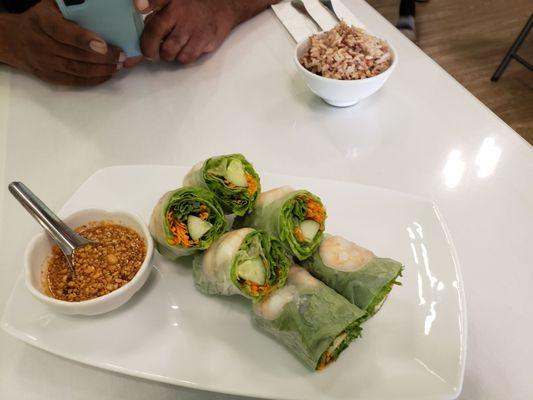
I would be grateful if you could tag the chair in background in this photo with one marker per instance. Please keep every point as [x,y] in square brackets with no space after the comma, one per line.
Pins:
[513,52]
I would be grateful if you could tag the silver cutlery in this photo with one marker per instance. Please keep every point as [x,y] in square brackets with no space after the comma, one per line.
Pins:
[329,6]
[67,240]
[300,6]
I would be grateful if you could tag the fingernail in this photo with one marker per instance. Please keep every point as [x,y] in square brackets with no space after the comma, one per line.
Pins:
[210,47]
[122,57]
[120,66]
[98,46]
[142,4]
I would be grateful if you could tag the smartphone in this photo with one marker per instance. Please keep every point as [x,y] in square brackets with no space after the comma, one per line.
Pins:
[116,21]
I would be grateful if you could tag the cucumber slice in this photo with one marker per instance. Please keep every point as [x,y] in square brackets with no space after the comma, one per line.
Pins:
[252,270]
[309,229]
[235,173]
[197,227]
[337,342]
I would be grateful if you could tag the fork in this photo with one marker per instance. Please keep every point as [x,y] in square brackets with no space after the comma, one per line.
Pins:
[329,6]
[300,6]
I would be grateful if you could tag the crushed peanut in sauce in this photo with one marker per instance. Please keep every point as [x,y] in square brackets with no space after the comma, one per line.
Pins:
[100,268]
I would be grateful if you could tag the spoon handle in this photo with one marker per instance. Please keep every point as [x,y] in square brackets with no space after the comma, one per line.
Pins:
[66,238]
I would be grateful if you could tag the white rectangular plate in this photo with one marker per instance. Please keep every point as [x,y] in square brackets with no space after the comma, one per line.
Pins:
[414,348]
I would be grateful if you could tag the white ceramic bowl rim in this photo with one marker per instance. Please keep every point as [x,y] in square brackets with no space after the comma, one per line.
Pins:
[344,81]
[98,300]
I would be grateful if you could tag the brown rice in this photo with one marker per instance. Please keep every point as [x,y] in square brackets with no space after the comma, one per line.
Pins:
[346,53]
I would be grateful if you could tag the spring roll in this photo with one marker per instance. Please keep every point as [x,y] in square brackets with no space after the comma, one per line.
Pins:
[185,221]
[231,178]
[296,217]
[355,272]
[311,319]
[246,262]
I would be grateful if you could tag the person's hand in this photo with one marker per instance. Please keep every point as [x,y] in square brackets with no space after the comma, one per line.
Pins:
[43,43]
[183,30]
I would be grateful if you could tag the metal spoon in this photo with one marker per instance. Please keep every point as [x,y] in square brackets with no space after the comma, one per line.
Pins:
[300,6]
[67,240]
[329,6]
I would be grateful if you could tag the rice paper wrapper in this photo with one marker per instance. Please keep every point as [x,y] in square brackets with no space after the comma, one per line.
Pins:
[367,286]
[215,271]
[309,318]
[195,177]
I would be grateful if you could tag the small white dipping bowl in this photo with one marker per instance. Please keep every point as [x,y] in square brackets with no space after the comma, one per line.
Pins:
[342,93]
[40,248]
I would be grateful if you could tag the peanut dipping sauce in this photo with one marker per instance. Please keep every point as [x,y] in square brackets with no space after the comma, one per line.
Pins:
[100,268]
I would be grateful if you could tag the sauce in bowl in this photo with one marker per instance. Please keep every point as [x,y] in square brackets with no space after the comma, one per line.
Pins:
[100,268]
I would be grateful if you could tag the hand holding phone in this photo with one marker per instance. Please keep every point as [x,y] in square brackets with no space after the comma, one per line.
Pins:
[116,21]
[40,41]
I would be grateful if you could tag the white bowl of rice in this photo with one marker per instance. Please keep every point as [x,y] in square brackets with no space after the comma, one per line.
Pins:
[345,65]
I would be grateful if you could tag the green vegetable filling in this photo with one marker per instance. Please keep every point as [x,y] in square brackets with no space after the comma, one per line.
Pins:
[197,227]
[309,229]
[190,216]
[233,179]
[260,265]
[339,344]
[235,173]
[379,299]
[305,219]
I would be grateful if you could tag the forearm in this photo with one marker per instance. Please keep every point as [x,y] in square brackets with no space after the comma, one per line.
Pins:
[249,8]
[7,29]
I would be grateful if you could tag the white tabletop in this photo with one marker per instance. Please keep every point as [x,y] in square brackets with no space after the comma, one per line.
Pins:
[422,133]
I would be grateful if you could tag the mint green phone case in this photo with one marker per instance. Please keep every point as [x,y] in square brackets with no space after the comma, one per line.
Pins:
[116,21]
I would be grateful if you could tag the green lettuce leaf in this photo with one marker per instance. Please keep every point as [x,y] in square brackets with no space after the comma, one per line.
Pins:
[281,217]
[379,299]
[181,203]
[211,175]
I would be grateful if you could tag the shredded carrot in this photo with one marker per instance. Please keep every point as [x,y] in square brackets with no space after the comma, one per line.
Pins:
[180,232]
[256,289]
[315,211]
[229,184]
[252,184]
[204,212]
[299,233]
[325,360]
